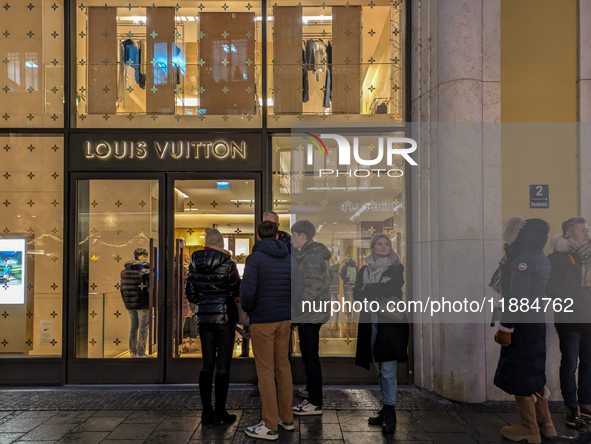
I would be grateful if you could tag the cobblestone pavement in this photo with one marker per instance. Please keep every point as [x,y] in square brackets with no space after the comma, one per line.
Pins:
[172,415]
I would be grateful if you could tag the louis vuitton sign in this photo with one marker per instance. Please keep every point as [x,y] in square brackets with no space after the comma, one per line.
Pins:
[158,152]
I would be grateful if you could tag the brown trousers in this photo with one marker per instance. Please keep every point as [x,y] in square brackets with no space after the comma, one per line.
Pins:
[270,346]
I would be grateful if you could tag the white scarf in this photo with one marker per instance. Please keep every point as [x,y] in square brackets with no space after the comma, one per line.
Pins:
[375,268]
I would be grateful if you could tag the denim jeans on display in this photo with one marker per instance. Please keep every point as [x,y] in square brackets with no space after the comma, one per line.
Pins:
[386,372]
[309,343]
[138,331]
[217,345]
[575,347]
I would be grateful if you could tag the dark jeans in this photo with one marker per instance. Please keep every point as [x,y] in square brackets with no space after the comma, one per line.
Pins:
[217,344]
[309,342]
[575,347]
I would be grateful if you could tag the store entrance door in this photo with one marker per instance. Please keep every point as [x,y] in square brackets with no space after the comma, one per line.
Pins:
[228,203]
[133,239]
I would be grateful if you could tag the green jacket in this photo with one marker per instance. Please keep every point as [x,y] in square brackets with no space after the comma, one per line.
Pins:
[312,260]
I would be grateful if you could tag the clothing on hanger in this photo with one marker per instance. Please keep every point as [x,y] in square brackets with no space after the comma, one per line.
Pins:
[305,87]
[309,55]
[328,81]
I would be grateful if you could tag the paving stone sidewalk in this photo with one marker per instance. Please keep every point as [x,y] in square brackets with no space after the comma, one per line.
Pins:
[172,415]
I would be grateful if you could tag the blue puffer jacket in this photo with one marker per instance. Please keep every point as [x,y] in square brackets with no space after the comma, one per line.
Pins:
[266,290]
[521,369]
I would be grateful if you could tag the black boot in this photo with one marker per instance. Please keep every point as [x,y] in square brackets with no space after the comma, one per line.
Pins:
[205,388]
[389,419]
[222,383]
[377,420]
[205,384]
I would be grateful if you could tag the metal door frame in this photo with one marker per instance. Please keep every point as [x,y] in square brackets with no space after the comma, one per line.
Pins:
[185,370]
[112,370]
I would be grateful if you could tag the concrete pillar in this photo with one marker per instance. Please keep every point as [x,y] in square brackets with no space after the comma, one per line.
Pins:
[456,188]
[584,107]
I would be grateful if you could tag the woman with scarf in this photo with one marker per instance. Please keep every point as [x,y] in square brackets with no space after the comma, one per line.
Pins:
[521,371]
[382,339]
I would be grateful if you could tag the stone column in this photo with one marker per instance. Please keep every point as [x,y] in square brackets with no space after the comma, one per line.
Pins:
[456,189]
[584,107]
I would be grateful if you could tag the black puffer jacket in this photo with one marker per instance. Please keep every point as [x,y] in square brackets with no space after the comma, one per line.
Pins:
[312,261]
[134,285]
[564,284]
[212,285]
[521,369]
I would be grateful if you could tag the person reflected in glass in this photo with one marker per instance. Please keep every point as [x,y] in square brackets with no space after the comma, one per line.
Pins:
[213,284]
[186,313]
[135,280]
[381,339]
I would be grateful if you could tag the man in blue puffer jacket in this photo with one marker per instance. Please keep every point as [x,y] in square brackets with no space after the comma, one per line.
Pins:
[265,294]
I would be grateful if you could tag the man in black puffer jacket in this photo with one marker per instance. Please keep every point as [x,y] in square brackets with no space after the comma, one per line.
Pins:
[265,294]
[134,292]
[309,311]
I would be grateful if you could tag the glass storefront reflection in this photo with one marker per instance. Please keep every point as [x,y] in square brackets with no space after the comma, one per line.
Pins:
[117,218]
[228,206]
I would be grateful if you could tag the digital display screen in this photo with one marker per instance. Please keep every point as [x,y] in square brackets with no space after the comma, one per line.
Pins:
[12,271]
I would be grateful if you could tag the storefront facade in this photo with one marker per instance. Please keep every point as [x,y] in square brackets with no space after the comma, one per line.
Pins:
[140,125]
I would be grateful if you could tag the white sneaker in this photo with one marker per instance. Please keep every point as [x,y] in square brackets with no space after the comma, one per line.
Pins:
[302,392]
[305,408]
[286,425]
[260,431]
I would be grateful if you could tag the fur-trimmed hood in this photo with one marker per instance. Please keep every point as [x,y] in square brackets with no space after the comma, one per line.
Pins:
[560,244]
[512,228]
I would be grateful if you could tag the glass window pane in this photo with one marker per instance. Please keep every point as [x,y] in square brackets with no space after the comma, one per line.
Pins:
[229,206]
[117,264]
[335,63]
[31,245]
[32,68]
[346,211]
[197,64]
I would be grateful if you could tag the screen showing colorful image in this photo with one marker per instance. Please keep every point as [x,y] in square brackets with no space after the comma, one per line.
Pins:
[12,271]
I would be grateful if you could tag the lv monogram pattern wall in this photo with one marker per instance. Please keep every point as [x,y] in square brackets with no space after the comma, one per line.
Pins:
[31,197]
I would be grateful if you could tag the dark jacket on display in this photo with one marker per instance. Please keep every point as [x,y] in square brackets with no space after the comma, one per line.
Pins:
[212,285]
[565,283]
[521,369]
[312,261]
[134,285]
[286,239]
[266,290]
[392,340]
[345,271]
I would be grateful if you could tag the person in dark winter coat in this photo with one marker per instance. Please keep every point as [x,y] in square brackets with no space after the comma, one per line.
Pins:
[312,258]
[213,284]
[570,278]
[521,370]
[284,237]
[379,339]
[349,270]
[265,294]
[136,297]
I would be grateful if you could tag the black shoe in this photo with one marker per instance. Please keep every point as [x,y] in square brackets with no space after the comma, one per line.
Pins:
[377,420]
[208,417]
[572,416]
[389,419]
[585,412]
[224,417]
[255,392]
